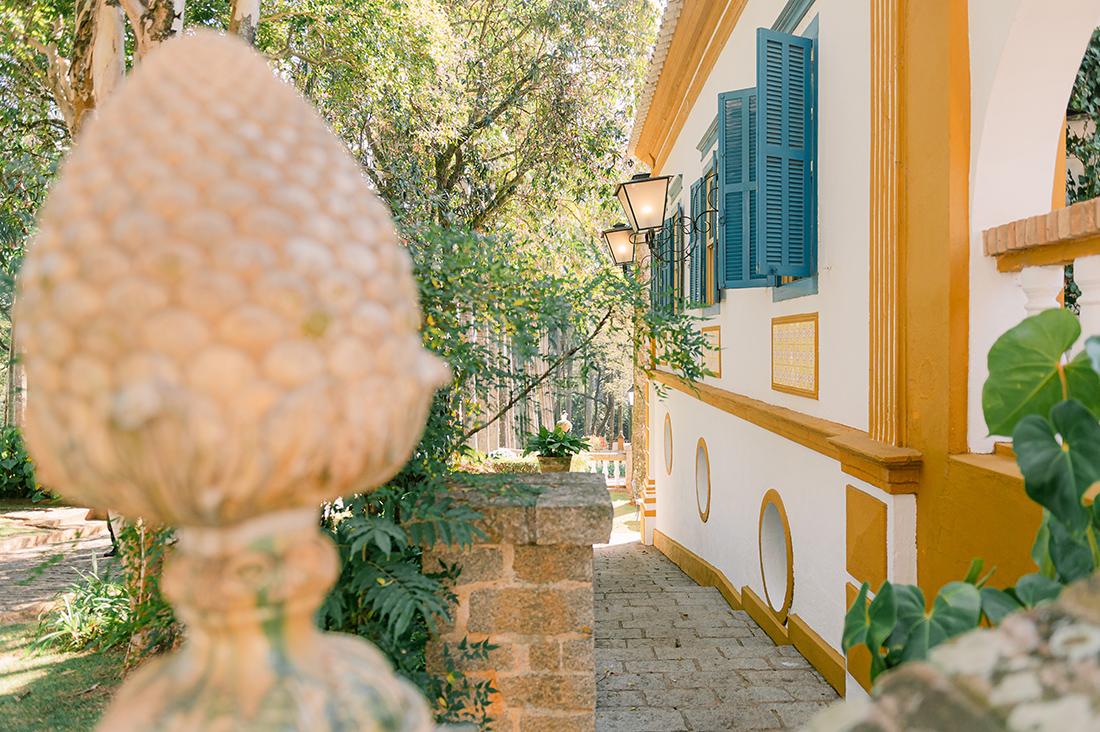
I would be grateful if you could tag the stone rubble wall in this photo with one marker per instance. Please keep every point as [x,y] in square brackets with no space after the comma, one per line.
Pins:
[527,588]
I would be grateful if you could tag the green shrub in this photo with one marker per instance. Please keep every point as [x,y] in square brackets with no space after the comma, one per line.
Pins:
[16,467]
[97,615]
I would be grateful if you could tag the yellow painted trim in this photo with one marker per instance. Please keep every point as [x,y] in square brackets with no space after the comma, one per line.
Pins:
[704,515]
[765,617]
[886,398]
[671,443]
[935,130]
[865,543]
[1056,253]
[893,469]
[773,497]
[717,330]
[701,33]
[859,658]
[826,659]
[700,570]
[801,318]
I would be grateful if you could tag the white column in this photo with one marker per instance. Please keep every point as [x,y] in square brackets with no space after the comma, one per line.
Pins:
[1041,285]
[1086,273]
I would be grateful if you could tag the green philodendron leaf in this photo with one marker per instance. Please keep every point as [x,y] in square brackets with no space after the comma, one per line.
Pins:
[1040,550]
[1092,350]
[882,615]
[1056,475]
[1031,589]
[1072,558]
[975,571]
[957,609]
[1023,371]
[996,604]
[856,621]
[910,602]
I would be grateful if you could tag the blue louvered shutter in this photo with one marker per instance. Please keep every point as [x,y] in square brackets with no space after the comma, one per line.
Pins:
[664,249]
[698,245]
[737,190]
[784,153]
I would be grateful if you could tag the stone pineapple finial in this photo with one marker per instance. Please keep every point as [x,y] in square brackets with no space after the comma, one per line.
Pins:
[220,333]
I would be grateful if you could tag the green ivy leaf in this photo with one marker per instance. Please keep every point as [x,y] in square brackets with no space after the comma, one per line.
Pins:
[1023,371]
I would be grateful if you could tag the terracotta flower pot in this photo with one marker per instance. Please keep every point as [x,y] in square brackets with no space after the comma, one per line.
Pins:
[554,464]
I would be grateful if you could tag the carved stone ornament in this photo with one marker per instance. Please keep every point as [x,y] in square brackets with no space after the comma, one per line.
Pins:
[220,332]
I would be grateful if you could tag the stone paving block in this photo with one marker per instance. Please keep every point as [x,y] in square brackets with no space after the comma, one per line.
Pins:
[653,643]
[630,681]
[696,664]
[753,695]
[613,698]
[796,714]
[681,698]
[737,663]
[662,666]
[730,717]
[815,692]
[639,720]
[706,680]
[644,653]
[618,632]
[693,651]
[733,632]
[785,678]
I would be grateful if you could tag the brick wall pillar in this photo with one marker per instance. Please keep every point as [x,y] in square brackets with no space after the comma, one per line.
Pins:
[527,588]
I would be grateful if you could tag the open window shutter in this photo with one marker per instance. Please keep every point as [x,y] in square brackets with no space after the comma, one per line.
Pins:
[698,246]
[784,85]
[737,190]
[664,251]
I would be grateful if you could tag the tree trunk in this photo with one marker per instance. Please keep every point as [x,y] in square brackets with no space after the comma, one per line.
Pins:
[108,50]
[245,20]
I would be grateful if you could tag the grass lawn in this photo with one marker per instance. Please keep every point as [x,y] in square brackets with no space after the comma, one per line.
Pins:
[52,690]
[624,512]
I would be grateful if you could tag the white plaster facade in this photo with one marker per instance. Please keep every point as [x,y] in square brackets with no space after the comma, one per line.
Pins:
[1019,50]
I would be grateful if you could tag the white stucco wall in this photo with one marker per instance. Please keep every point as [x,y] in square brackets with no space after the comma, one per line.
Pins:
[1024,56]
[745,462]
[843,166]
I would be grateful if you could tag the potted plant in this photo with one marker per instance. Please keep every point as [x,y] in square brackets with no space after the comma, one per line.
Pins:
[555,448]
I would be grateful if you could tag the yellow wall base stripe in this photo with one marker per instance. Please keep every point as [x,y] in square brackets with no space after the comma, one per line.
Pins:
[765,617]
[824,657]
[820,654]
[699,569]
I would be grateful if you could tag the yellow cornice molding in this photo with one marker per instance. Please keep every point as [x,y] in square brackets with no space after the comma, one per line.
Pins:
[894,469]
[701,33]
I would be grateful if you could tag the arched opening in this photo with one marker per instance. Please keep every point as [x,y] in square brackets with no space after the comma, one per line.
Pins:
[1023,67]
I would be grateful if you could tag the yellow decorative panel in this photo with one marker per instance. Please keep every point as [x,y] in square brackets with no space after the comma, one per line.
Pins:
[794,354]
[712,360]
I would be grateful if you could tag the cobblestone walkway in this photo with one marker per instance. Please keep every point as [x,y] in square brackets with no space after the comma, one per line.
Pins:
[671,655]
[47,581]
